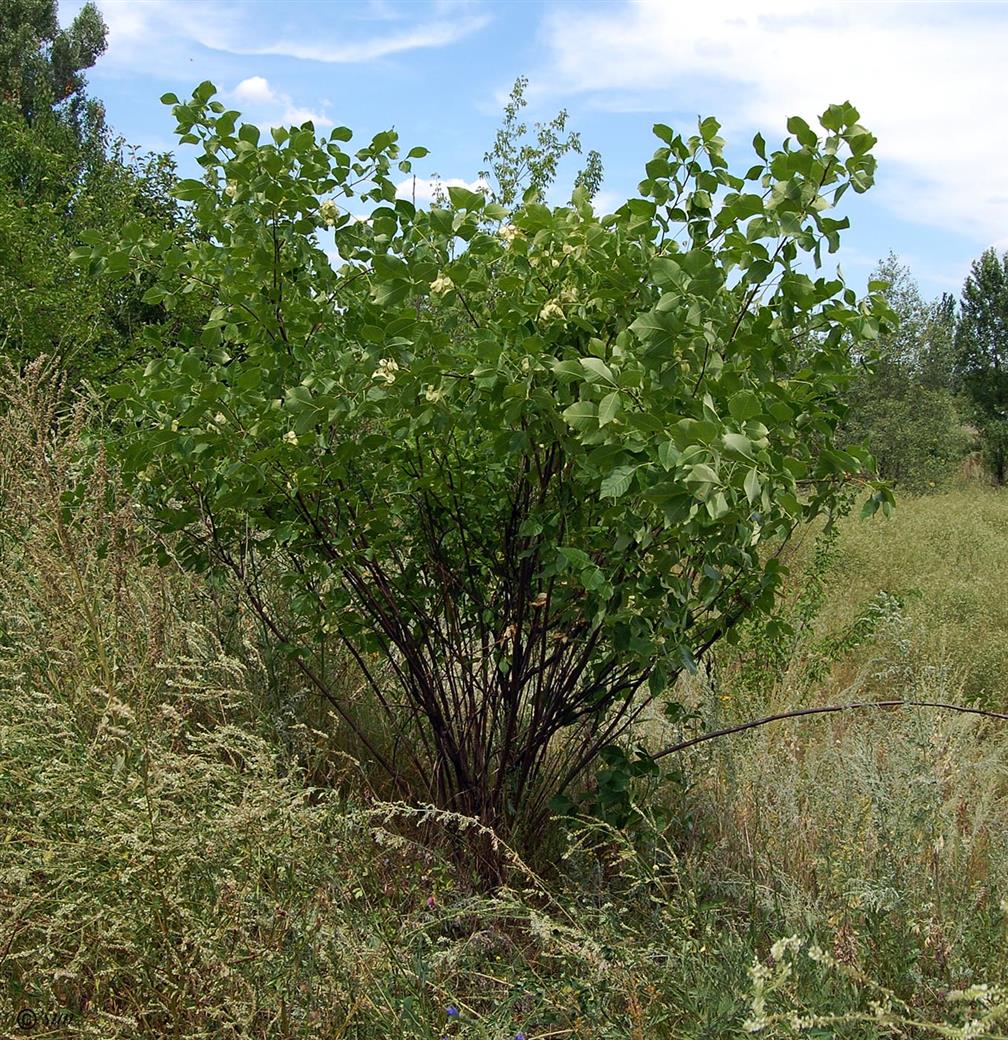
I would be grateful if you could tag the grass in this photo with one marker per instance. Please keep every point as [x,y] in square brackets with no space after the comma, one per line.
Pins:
[185,851]
[946,556]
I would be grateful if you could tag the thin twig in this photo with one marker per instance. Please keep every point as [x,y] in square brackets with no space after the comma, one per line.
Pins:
[825,709]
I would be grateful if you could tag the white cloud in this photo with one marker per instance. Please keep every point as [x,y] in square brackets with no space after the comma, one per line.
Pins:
[274,105]
[607,202]
[925,77]
[255,90]
[424,189]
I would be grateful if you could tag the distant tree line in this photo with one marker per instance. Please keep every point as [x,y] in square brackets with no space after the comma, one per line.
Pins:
[937,389]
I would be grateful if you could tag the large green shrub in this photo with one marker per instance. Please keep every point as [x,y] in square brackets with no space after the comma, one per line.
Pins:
[537,467]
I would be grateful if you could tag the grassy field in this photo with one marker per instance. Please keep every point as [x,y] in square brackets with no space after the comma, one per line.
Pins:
[179,857]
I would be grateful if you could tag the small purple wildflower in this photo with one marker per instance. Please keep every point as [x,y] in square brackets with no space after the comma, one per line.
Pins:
[520,1036]
[431,902]
[452,1011]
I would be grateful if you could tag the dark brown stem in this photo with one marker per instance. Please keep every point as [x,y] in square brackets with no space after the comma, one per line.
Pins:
[823,710]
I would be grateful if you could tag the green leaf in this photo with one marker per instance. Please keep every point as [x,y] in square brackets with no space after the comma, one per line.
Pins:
[189,190]
[752,486]
[463,198]
[668,454]
[567,370]
[717,506]
[656,328]
[709,128]
[581,415]
[739,443]
[807,137]
[702,473]
[204,92]
[575,558]
[744,405]
[609,408]
[597,369]
[617,482]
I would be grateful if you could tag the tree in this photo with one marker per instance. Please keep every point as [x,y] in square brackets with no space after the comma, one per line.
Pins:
[537,468]
[516,165]
[982,354]
[53,193]
[936,364]
[901,405]
[42,65]
[61,177]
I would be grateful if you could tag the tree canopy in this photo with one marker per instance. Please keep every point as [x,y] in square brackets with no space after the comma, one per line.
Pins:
[61,177]
[902,406]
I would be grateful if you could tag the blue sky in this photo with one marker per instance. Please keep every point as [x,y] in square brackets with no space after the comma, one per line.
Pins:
[928,79]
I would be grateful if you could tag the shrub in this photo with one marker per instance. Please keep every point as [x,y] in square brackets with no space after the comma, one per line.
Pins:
[537,467]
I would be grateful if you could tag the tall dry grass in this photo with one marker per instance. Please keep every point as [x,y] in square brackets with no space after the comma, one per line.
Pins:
[881,835]
[186,851]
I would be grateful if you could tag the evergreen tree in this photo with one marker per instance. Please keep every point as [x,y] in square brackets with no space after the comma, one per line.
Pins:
[981,364]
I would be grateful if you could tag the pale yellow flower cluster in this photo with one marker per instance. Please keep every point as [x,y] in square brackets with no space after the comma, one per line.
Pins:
[328,211]
[509,233]
[434,396]
[552,310]
[386,370]
[290,437]
[231,189]
[442,284]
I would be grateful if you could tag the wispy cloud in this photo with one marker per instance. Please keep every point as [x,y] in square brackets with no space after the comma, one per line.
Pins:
[143,32]
[921,75]
[364,49]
